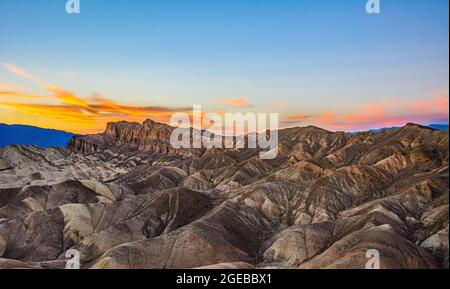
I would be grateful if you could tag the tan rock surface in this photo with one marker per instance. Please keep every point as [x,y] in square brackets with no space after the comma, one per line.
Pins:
[126,199]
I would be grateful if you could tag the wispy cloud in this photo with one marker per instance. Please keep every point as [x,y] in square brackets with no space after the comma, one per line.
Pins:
[11,86]
[433,106]
[19,95]
[89,114]
[237,102]
[295,120]
[299,117]
[21,72]
[81,114]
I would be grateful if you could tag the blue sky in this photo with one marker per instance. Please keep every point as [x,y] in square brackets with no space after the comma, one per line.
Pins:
[301,58]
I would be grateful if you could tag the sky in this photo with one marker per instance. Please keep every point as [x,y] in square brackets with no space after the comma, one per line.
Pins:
[316,62]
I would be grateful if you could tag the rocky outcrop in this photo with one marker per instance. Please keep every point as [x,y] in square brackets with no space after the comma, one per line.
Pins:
[150,136]
[126,199]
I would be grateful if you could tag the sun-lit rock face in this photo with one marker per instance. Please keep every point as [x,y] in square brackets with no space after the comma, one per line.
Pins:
[151,136]
[126,199]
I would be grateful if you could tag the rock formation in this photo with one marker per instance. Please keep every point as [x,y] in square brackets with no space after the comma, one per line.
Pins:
[126,199]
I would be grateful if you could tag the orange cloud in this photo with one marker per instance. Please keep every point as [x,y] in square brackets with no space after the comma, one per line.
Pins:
[66,97]
[299,117]
[239,102]
[10,86]
[19,95]
[64,109]
[81,120]
[435,103]
[327,117]
[75,113]
[367,111]
[21,72]
[433,107]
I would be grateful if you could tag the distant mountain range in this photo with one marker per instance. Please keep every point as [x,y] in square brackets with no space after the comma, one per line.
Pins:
[41,137]
[30,135]
[439,126]
[433,126]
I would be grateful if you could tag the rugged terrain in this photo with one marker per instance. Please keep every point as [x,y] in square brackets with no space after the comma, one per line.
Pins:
[126,199]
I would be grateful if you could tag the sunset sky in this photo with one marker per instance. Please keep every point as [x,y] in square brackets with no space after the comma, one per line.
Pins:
[326,63]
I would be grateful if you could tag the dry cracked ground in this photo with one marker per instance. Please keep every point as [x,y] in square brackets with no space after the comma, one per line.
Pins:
[126,199]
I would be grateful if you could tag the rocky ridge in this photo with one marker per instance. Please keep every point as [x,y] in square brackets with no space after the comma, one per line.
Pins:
[126,199]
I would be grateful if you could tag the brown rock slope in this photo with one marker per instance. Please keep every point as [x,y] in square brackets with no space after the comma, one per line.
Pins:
[127,199]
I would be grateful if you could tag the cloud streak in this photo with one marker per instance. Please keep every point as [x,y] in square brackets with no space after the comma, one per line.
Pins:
[236,102]
[10,86]
[67,110]
[81,114]
[298,117]
[21,72]
[389,113]
[433,107]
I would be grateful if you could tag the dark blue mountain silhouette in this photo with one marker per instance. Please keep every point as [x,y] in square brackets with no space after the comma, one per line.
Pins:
[433,126]
[439,126]
[30,135]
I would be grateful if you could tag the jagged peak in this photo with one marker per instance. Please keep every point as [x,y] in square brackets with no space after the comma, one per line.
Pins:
[415,125]
[121,123]
[149,122]
[315,128]
[309,128]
